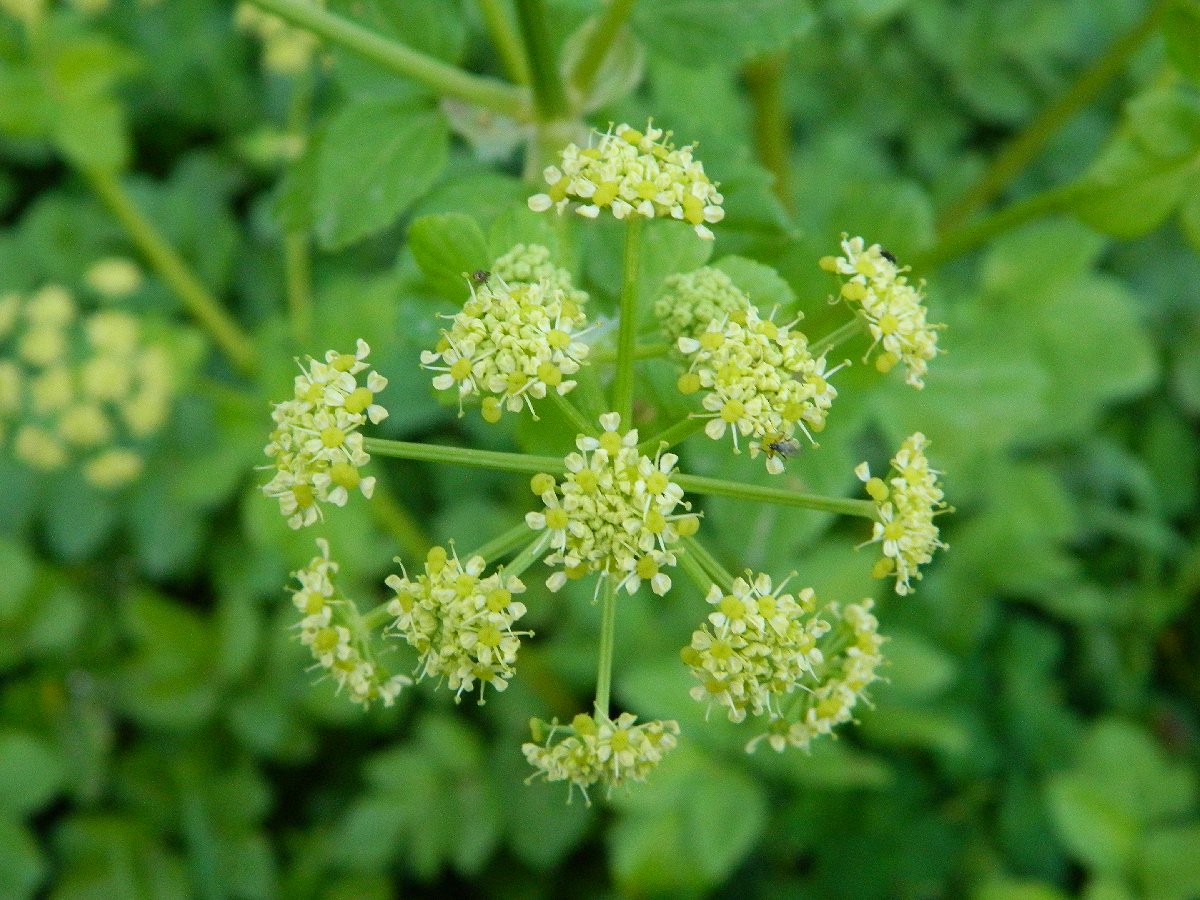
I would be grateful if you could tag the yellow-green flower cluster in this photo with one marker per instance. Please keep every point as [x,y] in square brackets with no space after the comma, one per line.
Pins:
[510,345]
[633,173]
[906,503]
[851,658]
[893,308]
[316,445]
[760,381]
[531,264]
[613,512]
[758,646]
[332,630]
[286,49]
[459,622]
[691,300]
[597,749]
[79,388]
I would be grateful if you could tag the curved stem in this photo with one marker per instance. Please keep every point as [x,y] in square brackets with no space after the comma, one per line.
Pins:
[772,137]
[627,326]
[225,331]
[465,456]
[574,416]
[676,434]
[716,572]
[506,39]
[549,98]
[403,60]
[838,335]
[1026,146]
[699,484]
[599,42]
[608,630]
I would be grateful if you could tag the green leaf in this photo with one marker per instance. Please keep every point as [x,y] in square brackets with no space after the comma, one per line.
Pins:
[31,773]
[1165,122]
[448,247]
[18,566]
[1170,863]
[1181,28]
[90,132]
[1189,218]
[704,33]
[1131,193]
[377,158]
[619,73]
[22,866]
[1092,826]
[763,284]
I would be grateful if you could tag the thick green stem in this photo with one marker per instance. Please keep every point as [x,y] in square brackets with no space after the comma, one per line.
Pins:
[716,572]
[599,42]
[574,416]
[772,131]
[504,543]
[622,396]
[608,630]
[676,434]
[549,98]
[444,79]
[395,517]
[527,557]
[699,484]
[228,335]
[1026,146]
[641,351]
[506,39]
[852,328]
[695,571]
[465,456]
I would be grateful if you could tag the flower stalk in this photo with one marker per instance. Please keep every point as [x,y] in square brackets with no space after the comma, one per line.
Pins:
[627,328]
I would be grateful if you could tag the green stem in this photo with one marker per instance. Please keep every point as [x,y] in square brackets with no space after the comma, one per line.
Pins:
[506,39]
[691,565]
[608,629]
[373,619]
[627,329]
[396,57]
[549,98]
[640,351]
[297,258]
[395,517]
[716,572]
[527,557]
[838,335]
[576,418]
[699,484]
[1026,146]
[772,129]
[599,42]
[466,456]
[503,543]
[676,434]
[228,335]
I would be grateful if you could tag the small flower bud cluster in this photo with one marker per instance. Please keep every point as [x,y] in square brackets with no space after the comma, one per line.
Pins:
[758,646]
[460,623]
[598,749]
[851,659]
[907,502]
[691,300]
[510,344]
[286,49]
[633,173]
[613,512]
[79,387]
[316,446]
[760,379]
[893,308]
[531,264]
[329,629]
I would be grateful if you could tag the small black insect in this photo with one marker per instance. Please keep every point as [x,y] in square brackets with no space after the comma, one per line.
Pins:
[783,447]
[888,255]
[481,276]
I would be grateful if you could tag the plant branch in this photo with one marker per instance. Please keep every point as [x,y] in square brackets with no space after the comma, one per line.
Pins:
[675,434]
[608,629]
[506,39]
[549,98]
[627,325]
[599,43]
[699,484]
[465,456]
[772,129]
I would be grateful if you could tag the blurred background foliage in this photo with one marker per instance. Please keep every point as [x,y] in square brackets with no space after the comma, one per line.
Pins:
[1037,736]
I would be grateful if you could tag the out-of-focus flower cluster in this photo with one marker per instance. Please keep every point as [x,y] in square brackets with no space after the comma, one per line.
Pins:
[532,264]
[893,308]
[512,343]
[760,381]
[333,631]
[691,300]
[599,750]
[83,388]
[316,447]
[633,173]
[286,49]
[613,512]
[907,502]
[459,622]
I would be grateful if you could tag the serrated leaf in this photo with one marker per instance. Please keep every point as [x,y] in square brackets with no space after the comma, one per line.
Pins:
[376,159]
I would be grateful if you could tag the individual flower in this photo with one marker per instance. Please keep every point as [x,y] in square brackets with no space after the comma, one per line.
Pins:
[511,344]
[333,630]
[633,173]
[316,447]
[460,622]
[598,749]
[906,503]
[613,512]
[286,49]
[851,656]
[531,264]
[691,300]
[758,646]
[892,307]
[760,382]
